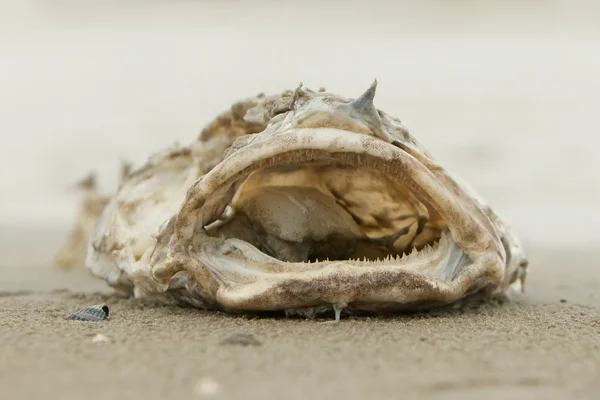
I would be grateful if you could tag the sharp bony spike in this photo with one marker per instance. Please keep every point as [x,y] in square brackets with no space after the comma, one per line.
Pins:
[365,102]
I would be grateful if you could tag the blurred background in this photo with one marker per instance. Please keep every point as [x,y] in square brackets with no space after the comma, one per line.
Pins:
[503,93]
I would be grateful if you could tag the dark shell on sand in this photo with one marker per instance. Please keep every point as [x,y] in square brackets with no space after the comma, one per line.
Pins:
[92,313]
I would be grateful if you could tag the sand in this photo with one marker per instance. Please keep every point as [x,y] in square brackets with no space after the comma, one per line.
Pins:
[503,94]
[543,344]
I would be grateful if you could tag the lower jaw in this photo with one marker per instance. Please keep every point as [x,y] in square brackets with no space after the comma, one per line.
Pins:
[249,280]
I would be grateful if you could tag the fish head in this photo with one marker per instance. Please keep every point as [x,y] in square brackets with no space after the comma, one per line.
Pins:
[332,203]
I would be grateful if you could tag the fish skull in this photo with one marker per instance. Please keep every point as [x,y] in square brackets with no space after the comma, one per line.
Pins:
[298,202]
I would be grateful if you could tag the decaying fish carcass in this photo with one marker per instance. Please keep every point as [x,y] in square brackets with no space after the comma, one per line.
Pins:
[73,252]
[300,202]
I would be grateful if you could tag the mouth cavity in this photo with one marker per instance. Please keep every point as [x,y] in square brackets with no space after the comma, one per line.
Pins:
[325,196]
[328,211]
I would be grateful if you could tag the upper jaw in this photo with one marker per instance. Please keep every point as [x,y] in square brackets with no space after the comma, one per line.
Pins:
[240,277]
[208,196]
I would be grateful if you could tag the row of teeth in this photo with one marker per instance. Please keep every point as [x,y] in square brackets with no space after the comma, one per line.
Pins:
[390,259]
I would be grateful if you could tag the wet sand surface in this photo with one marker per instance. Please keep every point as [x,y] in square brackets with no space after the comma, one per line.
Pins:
[544,344]
[504,96]
[529,351]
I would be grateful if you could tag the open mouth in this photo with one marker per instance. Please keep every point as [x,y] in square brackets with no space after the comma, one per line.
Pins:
[302,201]
[328,211]
[328,205]
[326,208]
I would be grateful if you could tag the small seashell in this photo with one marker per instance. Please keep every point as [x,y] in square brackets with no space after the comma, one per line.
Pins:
[208,387]
[92,313]
[100,338]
